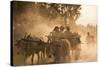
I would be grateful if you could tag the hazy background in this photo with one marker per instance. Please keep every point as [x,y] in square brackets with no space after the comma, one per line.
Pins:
[28,18]
[88,15]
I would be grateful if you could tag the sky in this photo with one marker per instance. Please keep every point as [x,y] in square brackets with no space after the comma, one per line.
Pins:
[88,15]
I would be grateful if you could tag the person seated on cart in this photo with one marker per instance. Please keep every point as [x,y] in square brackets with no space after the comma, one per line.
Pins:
[54,35]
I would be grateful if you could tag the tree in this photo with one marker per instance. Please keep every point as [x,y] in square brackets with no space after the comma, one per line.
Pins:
[69,12]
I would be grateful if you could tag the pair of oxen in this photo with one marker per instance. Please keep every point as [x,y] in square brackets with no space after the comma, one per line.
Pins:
[62,50]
